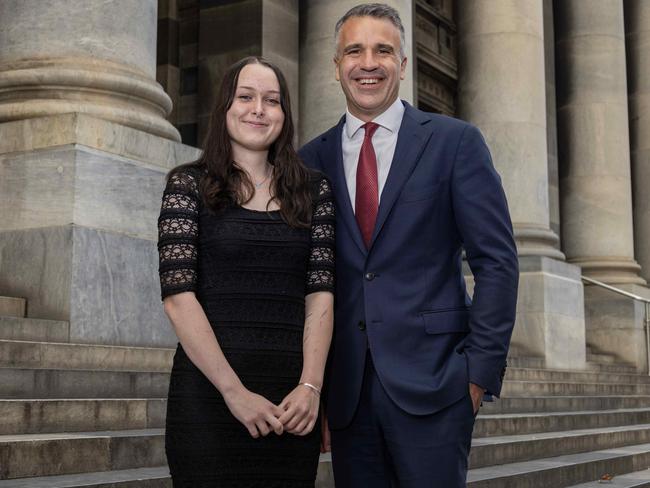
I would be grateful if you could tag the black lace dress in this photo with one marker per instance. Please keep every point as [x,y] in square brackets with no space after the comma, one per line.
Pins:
[250,272]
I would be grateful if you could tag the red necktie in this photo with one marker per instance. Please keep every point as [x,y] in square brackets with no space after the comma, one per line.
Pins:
[366,201]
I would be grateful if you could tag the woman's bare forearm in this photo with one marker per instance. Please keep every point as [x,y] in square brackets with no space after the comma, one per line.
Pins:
[199,342]
[317,336]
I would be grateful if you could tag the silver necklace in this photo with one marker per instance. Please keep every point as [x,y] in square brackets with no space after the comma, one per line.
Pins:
[259,185]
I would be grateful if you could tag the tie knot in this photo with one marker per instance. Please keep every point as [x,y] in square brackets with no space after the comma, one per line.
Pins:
[370,128]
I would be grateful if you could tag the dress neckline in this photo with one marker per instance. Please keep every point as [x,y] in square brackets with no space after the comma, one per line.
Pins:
[257,211]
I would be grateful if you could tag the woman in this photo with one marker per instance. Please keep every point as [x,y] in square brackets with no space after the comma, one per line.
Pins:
[246,243]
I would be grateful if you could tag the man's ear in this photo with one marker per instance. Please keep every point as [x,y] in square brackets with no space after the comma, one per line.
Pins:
[336,69]
[402,69]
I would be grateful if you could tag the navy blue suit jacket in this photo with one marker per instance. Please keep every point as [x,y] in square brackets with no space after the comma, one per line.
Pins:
[403,299]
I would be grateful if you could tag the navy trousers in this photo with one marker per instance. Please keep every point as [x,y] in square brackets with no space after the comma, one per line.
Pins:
[385,447]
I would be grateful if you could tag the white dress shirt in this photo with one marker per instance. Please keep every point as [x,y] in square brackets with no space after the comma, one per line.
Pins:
[384,141]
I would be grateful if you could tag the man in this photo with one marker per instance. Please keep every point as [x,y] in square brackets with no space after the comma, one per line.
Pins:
[412,356]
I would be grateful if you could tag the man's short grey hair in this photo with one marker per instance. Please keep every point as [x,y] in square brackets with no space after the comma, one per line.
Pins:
[379,11]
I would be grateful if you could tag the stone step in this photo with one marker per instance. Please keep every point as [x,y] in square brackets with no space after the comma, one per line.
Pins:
[50,456]
[28,329]
[12,306]
[612,368]
[157,477]
[68,453]
[25,416]
[26,354]
[78,415]
[531,423]
[539,363]
[535,388]
[490,451]
[525,362]
[547,404]
[638,479]
[56,383]
[556,375]
[562,471]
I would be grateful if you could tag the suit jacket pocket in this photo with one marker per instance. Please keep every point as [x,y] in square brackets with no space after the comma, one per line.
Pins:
[446,321]
[419,194]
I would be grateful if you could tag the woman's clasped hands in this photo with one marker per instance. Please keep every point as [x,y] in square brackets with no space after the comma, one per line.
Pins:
[296,414]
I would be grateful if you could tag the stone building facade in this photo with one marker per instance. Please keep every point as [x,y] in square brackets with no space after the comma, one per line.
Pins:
[558,92]
[99,99]
[559,89]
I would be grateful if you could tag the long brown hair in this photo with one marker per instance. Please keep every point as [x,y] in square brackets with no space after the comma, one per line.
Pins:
[225,184]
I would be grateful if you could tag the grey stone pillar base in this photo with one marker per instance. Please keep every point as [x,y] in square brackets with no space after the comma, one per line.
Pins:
[550,313]
[103,89]
[616,271]
[80,197]
[537,241]
[105,284]
[615,324]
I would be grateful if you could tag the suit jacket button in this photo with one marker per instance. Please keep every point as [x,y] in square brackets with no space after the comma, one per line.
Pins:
[362,325]
[370,276]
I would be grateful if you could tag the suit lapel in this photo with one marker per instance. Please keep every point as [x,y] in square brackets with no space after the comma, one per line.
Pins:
[340,186]
[414,133]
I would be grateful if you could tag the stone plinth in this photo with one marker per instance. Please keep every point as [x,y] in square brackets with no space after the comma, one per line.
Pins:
[615,323]
[80,197]
[550,313]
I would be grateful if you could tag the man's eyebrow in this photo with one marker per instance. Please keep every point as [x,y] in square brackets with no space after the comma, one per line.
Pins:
[350,47]
[386,46]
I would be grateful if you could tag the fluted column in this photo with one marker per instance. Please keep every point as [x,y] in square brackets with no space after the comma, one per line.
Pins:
[596,192]
[92,57]
[321,100]
[502,90]
[595,175]
[551,121]
[637,28]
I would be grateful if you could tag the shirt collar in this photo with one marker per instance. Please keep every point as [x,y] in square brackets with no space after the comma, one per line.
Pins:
[390,119]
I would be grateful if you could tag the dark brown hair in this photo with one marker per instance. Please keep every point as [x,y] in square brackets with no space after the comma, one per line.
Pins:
[225,184]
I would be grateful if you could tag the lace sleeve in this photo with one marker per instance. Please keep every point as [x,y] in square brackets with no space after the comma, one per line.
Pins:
[177,235]
[320,271]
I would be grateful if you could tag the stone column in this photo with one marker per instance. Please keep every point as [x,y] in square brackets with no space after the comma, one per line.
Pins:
[637,29]
[551,121]
[594,140]
[594,154]
[97,58]
[502,91]
[84,147]
[322,102]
